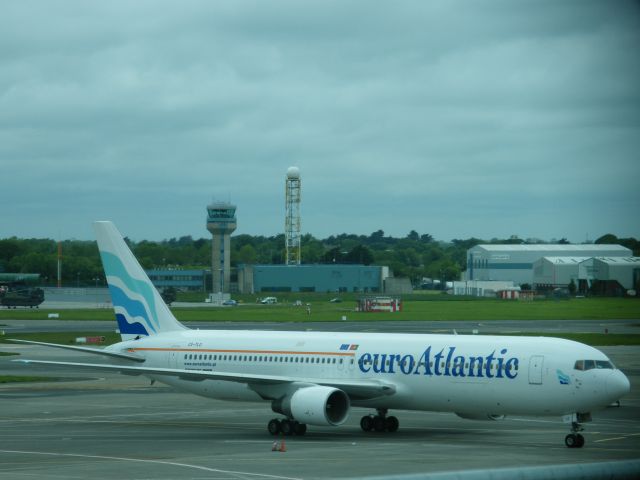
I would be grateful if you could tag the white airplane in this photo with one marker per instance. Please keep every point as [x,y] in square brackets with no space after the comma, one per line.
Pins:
[313,378]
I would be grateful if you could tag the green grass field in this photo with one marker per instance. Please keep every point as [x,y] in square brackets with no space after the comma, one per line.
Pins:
[593,339]
[433,309]
[21,379]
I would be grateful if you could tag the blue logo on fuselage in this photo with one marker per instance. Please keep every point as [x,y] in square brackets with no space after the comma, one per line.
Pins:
[441,364]
[563,378]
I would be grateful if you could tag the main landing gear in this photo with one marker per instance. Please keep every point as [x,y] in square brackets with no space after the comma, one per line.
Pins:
[380,422]
[286,427]
[574,439]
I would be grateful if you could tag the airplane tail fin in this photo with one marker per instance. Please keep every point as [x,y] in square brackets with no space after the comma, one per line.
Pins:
[138,306]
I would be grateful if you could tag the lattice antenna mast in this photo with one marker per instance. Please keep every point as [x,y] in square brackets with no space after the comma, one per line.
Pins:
[292,221]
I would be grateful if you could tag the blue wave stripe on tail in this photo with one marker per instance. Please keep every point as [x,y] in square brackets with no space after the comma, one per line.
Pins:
[125,327]
[113,266]
[134,308]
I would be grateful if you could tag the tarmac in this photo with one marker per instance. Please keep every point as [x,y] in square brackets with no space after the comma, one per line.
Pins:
[113,426]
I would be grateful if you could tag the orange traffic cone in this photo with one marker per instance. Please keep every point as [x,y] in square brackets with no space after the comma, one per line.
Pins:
[283,447]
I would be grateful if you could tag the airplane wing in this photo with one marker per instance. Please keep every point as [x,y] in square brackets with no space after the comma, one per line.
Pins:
[95,351]
[361,389]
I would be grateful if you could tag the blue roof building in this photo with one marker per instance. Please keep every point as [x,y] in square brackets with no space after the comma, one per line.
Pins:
[179,279]
[311,278]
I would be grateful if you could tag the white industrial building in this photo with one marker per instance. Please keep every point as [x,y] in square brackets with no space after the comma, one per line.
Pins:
[616,275]
[516,262]
[480,288]
[552,272]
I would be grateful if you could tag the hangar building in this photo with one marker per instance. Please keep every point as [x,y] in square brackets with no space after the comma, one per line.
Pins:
[515,262]
[311,278]
[607,275]
[552,272]
[614,276]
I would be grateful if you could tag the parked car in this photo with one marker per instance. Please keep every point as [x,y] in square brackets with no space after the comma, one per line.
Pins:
[269,300]
[230,303]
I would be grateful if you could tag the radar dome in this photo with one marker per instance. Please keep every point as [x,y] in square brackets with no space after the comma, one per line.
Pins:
[293,172]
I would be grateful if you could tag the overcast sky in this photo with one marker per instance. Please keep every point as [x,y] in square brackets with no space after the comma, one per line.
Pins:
[454,118]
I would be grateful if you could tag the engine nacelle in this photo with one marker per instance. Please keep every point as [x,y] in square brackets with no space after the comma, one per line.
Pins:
[480,416]
[316,405]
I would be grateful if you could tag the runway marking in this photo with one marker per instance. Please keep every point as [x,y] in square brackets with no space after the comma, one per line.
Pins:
[609,439]
[140,460]
[624,437]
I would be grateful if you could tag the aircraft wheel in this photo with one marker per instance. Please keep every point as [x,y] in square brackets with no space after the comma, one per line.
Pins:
[274,426]
[378,423]
[366,423]
[571,441]
[579,441]
[300,428]
[392,424]
[286,427]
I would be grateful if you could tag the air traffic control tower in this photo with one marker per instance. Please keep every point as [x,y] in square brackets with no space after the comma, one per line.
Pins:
[221,222]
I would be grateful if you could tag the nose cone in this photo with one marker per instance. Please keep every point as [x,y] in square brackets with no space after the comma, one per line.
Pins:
[617,385]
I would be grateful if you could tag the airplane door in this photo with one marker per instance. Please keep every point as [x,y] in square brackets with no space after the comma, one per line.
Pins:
[535,369]
[173,359]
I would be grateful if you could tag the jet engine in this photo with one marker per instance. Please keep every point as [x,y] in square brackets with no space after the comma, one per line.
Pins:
[316,405]
[480,416]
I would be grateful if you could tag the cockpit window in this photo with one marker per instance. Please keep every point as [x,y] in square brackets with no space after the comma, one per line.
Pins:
[591,364]
[604,364]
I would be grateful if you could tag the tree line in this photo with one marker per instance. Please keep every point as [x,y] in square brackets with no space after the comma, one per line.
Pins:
[414,256]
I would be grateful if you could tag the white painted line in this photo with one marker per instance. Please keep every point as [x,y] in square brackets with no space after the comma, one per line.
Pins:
[139,460]
[609,439]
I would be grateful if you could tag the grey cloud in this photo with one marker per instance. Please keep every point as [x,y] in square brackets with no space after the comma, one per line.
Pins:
[455,118]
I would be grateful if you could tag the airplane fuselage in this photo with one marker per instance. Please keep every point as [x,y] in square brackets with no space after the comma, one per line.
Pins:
[474,375]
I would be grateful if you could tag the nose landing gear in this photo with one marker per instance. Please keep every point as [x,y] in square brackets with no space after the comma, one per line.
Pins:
[575,439]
